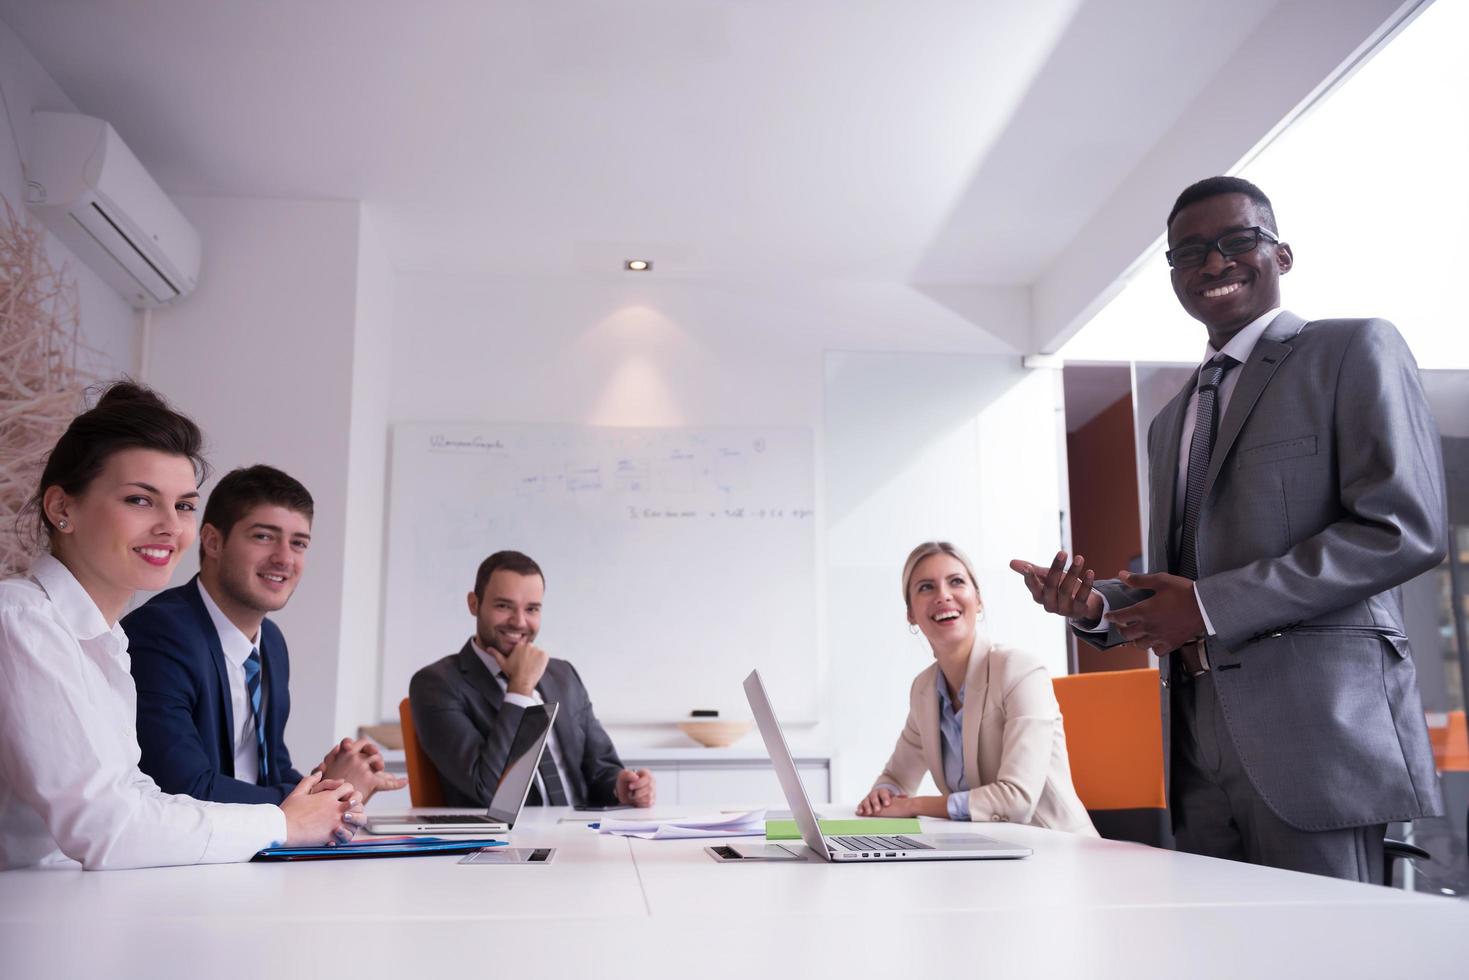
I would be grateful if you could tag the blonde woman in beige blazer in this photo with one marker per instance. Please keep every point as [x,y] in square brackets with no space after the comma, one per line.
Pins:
[982,719]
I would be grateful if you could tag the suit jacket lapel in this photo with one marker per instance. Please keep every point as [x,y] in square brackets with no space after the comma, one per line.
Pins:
[1163,479]
[222,695]
[479,677]
[1270,351]
[927,720]
[976,693]
[272,661]
[570,740]
[550,691]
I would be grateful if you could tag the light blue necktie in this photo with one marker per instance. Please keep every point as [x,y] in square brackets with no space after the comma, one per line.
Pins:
[252,685]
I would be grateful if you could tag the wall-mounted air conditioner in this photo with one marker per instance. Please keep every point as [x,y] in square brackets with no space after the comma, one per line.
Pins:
[88,188]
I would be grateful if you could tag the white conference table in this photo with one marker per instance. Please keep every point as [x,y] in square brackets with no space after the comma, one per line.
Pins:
[611,906]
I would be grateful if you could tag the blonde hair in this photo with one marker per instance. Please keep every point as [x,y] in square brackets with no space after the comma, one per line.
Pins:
[927,550]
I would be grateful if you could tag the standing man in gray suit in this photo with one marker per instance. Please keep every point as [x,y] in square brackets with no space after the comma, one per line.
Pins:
[1294,483]
[467,706]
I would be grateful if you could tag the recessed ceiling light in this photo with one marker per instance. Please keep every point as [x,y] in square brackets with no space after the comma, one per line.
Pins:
[638,265]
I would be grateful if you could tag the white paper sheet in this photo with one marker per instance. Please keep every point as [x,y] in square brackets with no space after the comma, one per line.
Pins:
[746,823]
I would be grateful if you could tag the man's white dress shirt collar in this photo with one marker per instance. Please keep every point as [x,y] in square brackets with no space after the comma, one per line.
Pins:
[237,647]
[1242,344]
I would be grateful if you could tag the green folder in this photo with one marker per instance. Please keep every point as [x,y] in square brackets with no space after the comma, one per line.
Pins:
[862,826]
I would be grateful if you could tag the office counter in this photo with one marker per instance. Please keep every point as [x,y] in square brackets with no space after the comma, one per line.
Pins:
[610,906]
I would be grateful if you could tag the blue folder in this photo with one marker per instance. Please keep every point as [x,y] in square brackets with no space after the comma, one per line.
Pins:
[378,848]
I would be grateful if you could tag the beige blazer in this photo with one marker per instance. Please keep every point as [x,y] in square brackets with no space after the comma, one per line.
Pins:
[1014,745]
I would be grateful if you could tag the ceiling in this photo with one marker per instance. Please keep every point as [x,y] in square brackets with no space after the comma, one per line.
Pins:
[912,141]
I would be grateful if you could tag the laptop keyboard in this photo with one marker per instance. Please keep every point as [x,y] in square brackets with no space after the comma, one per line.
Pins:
[851,843]
[452,818]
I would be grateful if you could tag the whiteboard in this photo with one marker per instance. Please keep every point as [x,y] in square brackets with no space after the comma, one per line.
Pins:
[676,559]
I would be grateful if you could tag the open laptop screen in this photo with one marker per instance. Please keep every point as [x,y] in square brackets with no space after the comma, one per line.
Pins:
[520,768]
[785,765]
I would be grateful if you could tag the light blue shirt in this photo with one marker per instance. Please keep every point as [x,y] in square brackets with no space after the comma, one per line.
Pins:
[951,749]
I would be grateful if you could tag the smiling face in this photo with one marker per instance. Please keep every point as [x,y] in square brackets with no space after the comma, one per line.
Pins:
[508,612]
[1226,293]
[126,529]
[254,568]
[943,602]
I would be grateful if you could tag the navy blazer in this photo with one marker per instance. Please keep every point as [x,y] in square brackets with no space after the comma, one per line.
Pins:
[185,716]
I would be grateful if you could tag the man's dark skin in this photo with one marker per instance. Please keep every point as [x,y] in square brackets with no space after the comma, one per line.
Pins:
[1250,283]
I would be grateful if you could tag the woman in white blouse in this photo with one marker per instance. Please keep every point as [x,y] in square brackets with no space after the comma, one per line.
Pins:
[982,719]
[116,507]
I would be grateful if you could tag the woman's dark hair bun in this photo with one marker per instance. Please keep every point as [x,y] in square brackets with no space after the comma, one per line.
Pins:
[127,415]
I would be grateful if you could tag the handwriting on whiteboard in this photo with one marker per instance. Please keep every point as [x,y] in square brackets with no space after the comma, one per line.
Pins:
[730,471]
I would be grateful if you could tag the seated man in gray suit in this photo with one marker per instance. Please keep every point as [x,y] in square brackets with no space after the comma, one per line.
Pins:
[467,706]
[1295,482]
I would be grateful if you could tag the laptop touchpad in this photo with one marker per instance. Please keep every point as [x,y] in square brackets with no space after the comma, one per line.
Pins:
[958,842]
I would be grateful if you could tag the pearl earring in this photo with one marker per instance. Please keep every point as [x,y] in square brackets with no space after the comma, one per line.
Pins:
[61,524]
[913,628]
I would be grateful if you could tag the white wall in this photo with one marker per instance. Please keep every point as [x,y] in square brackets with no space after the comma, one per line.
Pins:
[261,356]
[635,350]
[108,325]
[367,451]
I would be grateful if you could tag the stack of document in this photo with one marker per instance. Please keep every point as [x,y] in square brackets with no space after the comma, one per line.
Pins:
[746,823]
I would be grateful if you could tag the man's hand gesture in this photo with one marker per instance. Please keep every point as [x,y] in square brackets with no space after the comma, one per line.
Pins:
[1061,590]
[360,762]
[636,787]
[523,668]
[1166,620]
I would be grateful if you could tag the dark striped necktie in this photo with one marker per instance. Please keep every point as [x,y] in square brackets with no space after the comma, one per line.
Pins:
[252,685]
[1199,451]
[551,780]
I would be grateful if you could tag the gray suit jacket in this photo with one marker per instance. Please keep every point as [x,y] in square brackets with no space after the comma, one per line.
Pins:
[1325,493]
[465,726]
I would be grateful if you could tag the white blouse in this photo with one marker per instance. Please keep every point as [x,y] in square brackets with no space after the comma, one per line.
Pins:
[70,787]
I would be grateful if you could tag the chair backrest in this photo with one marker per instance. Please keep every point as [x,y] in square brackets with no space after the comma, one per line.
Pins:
[1114,738]
[424,788]
[1450,744]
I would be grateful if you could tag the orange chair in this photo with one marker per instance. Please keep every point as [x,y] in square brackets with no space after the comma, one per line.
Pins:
[1114,738]
[1451,744]
[424,788]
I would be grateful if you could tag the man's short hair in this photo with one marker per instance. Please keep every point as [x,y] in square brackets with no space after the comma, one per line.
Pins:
[510,561]
[242,490]
[1215,186]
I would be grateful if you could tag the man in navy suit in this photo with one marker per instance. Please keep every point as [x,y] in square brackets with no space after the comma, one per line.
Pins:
[213,673]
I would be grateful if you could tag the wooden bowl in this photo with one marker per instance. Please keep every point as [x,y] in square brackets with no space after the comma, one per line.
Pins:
[715,733]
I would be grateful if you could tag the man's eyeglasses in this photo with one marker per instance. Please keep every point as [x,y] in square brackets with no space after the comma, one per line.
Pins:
[1235,243]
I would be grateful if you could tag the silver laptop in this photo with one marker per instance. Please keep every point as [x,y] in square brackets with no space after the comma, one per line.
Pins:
[510,793]
[903,847]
